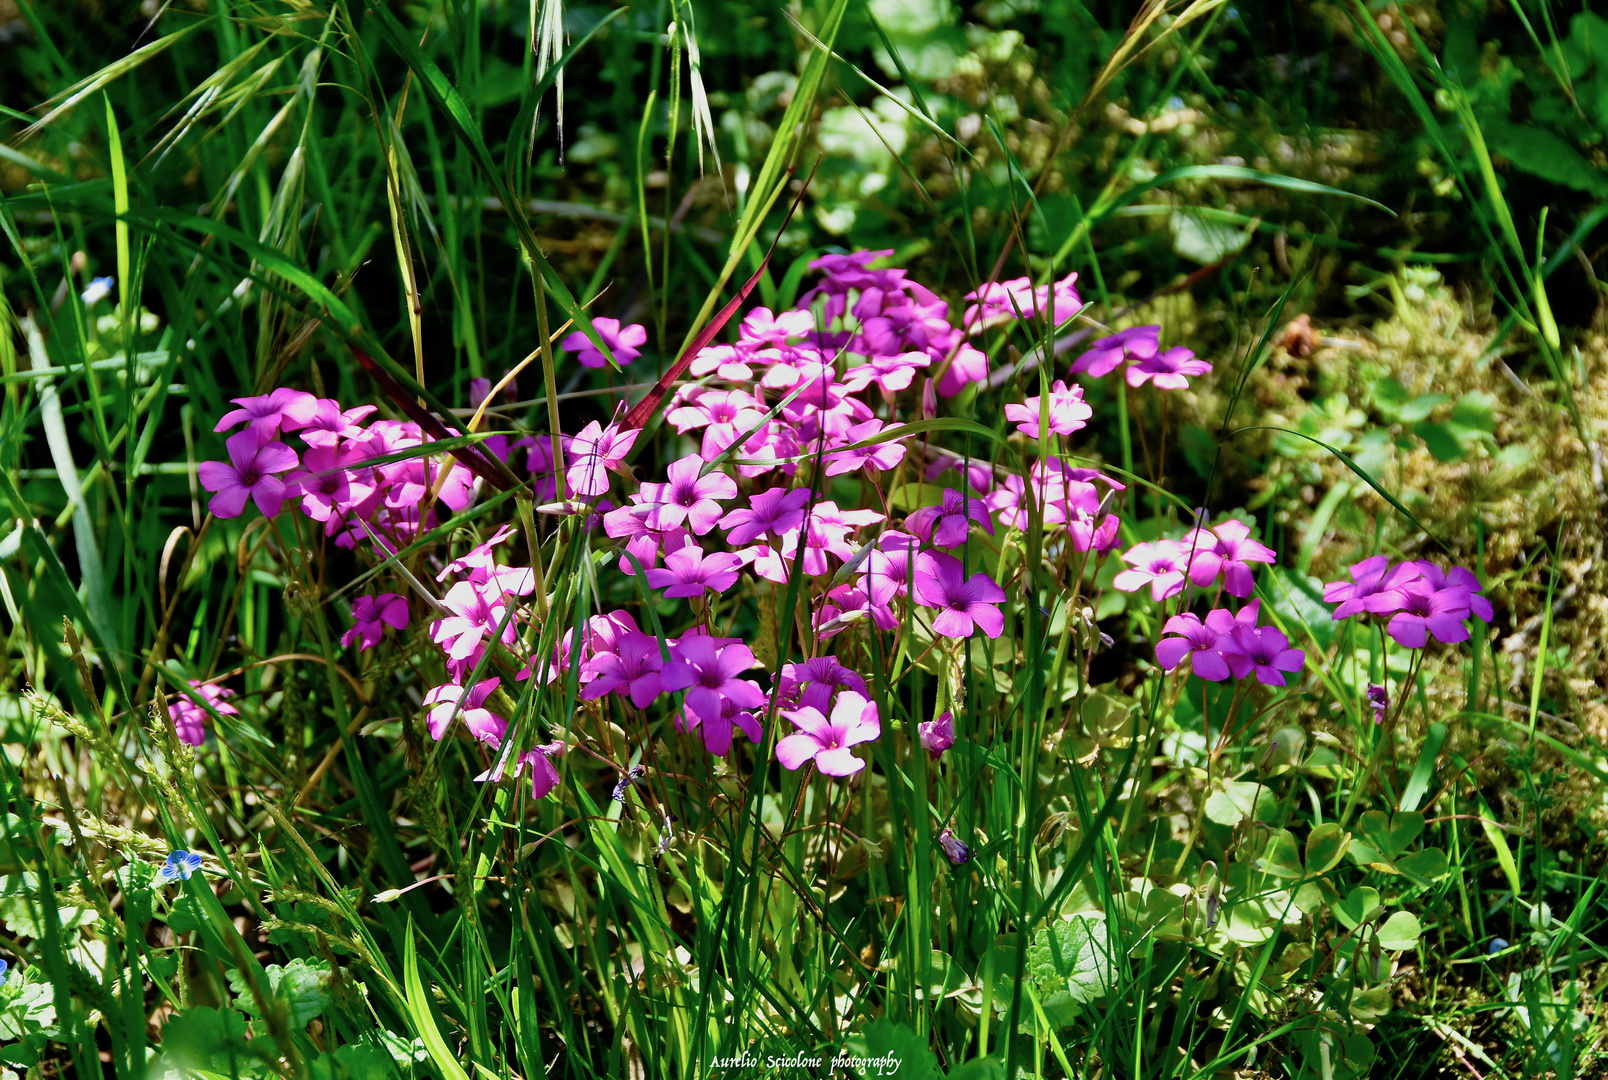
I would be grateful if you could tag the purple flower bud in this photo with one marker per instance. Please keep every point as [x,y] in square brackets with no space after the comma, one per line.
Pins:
[1379,701]
[937,735]
[958,852]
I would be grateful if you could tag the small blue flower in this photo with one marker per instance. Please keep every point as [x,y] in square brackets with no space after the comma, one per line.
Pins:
[4,967]
[1497,945]
[180,864]
[97,290]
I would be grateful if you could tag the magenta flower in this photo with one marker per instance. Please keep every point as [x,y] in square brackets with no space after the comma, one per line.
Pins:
[190,718]
[592,454]
[1378,701]
[882,455]
[970,365]
[813,682]
[631,669]
[947,524]
[1375,586]
[963,603]
[688,571]
[1205,643]
[717,731]
[450,698]
[543,773]
[1068,412]
[1438,604]
[777,511]
[284,408]
[826,741]
[726,362]
[1168,370]
[1264,650]
[937,735]
[372,614]
[622,341]
[688,497]
[249,474]
[329,425]
[1226,549]
[707,671]
[1160,564]
[1107,354]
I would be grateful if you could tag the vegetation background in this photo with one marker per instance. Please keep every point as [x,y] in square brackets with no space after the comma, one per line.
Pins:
[1380,221]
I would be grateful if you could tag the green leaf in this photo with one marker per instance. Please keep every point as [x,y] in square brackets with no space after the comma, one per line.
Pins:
[353,1061]
[1443,443]
[185,914]
[1400,931]
[885,1041]
[984,1068]
[301,985]
[1205,241]
[1543,153]
[1236,801]
[1424,867]
[1424,771]
[423,1021]
[1476,409]
[1070,963]
[1325,847]
[1360,906]
[135,880]
[210,1040]
[1281,857]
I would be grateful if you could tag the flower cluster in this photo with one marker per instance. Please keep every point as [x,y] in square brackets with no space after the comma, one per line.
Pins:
[776,425]
[1220,551]
[1420,599]
[1227,644]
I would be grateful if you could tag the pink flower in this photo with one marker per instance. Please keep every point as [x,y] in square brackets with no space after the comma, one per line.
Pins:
[688,572]
[253,461]
[1264,650]
[543,774]
[450,699]
[970,365]
[328,484]
[1107,354]
[826,742]
[963,603]
[716,731]
[372,614]
[592,453]
[1438,604]
[329,425]
[882,455]
[937,735]
[284,408]
[726,362]
[813,682]
[707,671]
[947,524]
[1168,370]
[1375,586]
[632,669]
[760,327]
[688,497]
[1161,565]
[1067,411]
[190,718]
[777,511]
[1226,549]
[1205,643]
[620,340]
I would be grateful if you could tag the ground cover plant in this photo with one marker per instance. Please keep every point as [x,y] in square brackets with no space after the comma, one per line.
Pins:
[849,539]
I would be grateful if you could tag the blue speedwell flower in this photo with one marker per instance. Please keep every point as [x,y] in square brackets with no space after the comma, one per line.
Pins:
[180,864]
[4,967]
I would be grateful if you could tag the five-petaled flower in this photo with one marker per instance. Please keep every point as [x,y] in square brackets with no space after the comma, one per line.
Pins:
[621,340]
[372,614]
[826,741]
[963,603]
[1264,650]
[254,459]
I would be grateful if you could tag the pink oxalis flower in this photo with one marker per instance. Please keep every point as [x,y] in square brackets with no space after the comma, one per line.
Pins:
[622,341]
[253,461]
[962,603]
[826,741]
[372,614]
